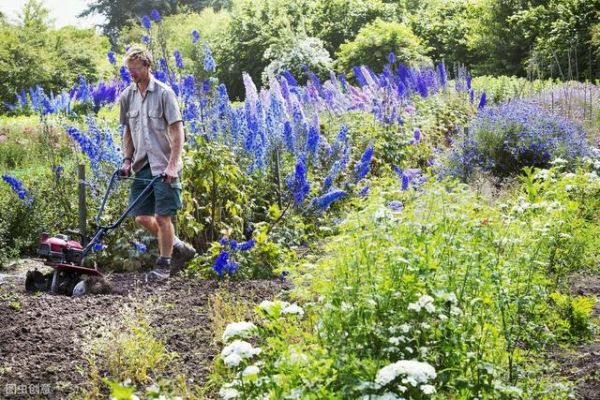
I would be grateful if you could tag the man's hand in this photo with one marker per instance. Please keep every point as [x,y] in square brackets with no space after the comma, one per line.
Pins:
[170,174]
[125,169]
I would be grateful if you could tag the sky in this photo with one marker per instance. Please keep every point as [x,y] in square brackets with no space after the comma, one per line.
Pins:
[63,12]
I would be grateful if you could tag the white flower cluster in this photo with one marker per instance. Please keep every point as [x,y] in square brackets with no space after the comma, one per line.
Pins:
[277,307]
[414,372]
[425,302]
[239,329]
[385,396]
[237,351]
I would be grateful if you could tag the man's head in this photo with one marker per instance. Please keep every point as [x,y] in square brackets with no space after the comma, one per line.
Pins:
[138,61]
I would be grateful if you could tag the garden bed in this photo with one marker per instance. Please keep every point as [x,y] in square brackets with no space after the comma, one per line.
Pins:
[42,337]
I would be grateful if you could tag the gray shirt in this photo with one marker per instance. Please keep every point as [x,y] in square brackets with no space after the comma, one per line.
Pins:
[148,119]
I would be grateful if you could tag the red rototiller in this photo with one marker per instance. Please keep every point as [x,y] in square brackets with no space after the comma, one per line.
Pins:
[66,256]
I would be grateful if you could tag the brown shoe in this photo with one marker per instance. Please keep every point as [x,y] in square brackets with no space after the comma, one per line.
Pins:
[181,256]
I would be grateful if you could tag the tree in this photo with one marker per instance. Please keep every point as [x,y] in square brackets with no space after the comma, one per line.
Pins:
[33,54]
[375,41]
[498,42]
[338,21]
[444,26]
[295,52]
[120,14]
[564,41]
[254,27]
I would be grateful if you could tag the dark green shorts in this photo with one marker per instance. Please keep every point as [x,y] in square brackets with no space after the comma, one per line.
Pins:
[165,199]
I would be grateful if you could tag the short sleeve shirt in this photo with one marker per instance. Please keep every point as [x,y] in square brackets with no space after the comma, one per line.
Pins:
[148,119]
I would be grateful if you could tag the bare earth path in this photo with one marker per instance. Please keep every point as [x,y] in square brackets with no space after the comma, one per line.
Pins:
[41,354]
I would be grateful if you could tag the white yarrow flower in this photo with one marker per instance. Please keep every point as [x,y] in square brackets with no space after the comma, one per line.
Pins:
[232,360]
[251,370]
[428,389]
[425,302]
[228,393]
[241,348]
[293,309]
[414,371]
[238,329]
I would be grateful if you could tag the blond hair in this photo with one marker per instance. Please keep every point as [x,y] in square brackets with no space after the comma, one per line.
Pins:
[137,52]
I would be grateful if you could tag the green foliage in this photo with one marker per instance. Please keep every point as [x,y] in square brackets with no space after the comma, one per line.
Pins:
[575,312]
[450,280]
[120,15]
[256,25]
[177,30]
[499,44]
[503,89]
[376,40]
[33,54]
[293,53]
[444,27]
[328,15]
[563,32]
[216,194]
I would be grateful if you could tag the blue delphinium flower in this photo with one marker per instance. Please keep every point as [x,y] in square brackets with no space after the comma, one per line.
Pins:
[442,75]
[35,95]
[322,203]
[312,141]
[245,246]
[221,262]
[231,267]
[22,98]
[195,36]
[343,81]
[98,246]
[111,57]
[146,39]
[288,136]
[289,78]
[482,101]
[364,191]
[155,15]
[360,78]
[47,106]
[223,103]
[395,205]
[139,247]
[178,59]
[206,86]
[223,241]
[189,86]
[417,135]
[391,57]
[103,94]
[161,76]
[364,165]
[18,187]
[83,93]
[125,76]
[146,23]
[209,62]
[298,184]
[422,86]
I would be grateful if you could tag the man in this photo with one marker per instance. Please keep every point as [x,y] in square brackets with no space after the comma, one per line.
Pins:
[152,145]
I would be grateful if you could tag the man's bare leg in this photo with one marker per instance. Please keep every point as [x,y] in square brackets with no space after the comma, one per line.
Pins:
[161,227]
[166,231]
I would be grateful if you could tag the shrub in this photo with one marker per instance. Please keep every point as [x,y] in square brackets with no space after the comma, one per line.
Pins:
[376,40]
[503,139]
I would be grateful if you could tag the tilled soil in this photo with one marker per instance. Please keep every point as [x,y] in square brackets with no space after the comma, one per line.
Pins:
[41,335]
